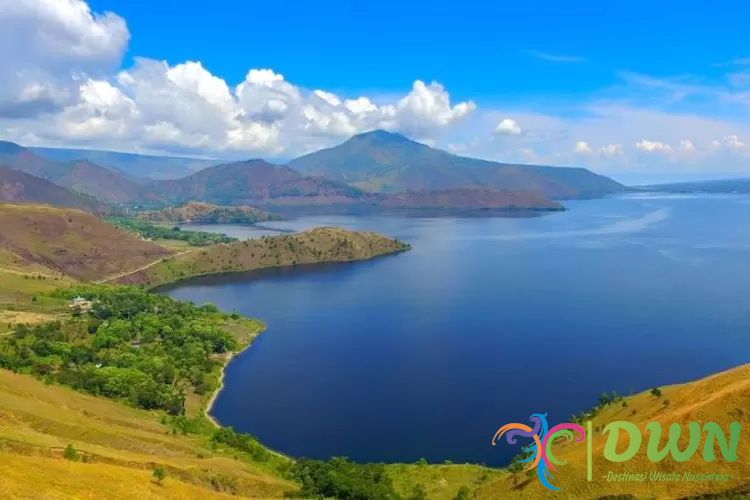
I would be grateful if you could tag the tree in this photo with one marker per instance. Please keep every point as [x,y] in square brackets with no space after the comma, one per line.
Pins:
[160,475]
[71,453]
[463,493]
[418,493]
[656,392]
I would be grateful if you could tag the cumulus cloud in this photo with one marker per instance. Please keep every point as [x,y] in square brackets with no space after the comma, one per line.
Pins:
[583,147]
[687,146]
[508,127]
[45,47]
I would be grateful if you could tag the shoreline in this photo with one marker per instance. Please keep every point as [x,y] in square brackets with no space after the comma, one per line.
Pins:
[212,400]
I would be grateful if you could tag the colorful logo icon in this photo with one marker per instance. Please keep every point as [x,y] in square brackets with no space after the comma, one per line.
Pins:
[541,457]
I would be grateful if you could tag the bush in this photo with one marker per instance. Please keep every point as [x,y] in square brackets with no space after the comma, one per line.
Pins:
[656,392]
[463,493]
[160,474]
[71,453]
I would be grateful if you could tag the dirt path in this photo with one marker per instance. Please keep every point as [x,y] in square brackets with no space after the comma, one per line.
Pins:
[143,268]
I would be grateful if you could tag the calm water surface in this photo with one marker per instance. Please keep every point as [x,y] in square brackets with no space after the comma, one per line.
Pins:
[486,321]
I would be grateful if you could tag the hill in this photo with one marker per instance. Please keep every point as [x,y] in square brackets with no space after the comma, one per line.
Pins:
[312,246]
[70,242]
[722,398]
[17,186]
[387,162]
[99,182]
[205,212]
[252,182]
[20,158]
[138,166]
[471,198]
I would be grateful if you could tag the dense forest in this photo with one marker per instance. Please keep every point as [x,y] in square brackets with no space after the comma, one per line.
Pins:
[145,349]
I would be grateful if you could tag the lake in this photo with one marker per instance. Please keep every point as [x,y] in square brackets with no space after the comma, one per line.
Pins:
[485,322]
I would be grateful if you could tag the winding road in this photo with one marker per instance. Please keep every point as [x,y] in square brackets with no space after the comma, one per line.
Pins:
[118,276]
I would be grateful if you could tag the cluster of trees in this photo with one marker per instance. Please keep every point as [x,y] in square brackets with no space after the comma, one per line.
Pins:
[242,442]
[342,479]
[134,346]
[152,232]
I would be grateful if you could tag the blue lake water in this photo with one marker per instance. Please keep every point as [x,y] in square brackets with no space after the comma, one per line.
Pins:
[485,322]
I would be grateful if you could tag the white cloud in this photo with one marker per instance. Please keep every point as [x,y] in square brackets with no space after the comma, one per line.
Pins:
[61,83]
[508,127]
[733,141]
[652,146]
[45,47]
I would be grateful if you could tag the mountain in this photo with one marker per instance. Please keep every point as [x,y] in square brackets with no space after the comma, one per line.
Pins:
[107,185]
[471,198]
[734,186]
[386,162]
[99,182]
[131,164]
[195,211]
[252,182]
[71,242]
[21,158]
[19,186]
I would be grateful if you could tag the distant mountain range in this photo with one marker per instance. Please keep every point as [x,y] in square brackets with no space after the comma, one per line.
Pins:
[137,166]
[17,186]
[739,186]
[375,169]
[386,162]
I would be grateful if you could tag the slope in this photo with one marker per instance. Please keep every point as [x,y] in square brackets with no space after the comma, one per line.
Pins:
[252,182]
[324,244]
[17,186]
[118,447]
[70,242]
[98,182]
[387,162]
[20,158]
[722,398]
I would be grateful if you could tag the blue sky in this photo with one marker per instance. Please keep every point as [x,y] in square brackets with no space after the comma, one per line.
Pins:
[626,88]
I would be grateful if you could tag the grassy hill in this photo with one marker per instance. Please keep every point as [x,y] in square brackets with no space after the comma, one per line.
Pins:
[70,243]
[722,398]
[316,245]
[118,448]
[205,212]
[386,162]
[17,186]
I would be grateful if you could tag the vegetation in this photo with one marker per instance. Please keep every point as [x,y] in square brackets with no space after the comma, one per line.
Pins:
[159,474]
[66,243]
[204,212]
[151,232]
[339,478]
[313,246]
[148,350]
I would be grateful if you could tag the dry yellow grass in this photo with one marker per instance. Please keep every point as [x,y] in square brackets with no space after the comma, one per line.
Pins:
[121,446]
[722,398]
